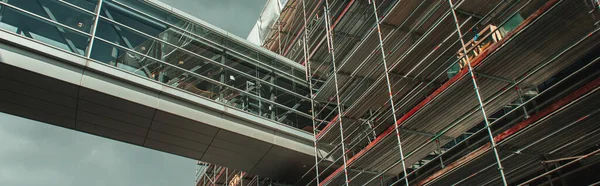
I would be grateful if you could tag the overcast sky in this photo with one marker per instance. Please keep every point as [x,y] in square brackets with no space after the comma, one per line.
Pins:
[33,153]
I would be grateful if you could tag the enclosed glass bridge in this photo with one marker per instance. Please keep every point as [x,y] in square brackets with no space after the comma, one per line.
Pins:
[168,47]
[142,72]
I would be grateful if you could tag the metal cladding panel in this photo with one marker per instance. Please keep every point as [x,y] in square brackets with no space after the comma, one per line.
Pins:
[141,113]
[109,86]
[112,112]
[34,91]
[103,121]
[70,75]
[177,140]
[164,118]
[109,133]
[13,95]
[191,133]
[173,149]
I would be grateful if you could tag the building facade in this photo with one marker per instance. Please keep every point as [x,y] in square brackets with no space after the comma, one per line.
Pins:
[452,92]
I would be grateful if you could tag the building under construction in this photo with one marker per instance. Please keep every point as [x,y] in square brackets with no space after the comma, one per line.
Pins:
[447,92]
[363,92]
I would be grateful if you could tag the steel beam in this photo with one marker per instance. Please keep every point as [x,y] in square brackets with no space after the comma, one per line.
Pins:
[484,75]
[479,98]
[60,30]
[2,8]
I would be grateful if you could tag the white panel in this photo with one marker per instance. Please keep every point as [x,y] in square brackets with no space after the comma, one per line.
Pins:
[284,140]
[268,123]
[43,48]
[35,63]
[187,110]
[120,89]
[166,90]
[120,74]
[248,129]
[116,103]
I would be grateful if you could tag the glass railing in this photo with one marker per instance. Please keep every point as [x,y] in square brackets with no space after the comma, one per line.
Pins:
[154,43]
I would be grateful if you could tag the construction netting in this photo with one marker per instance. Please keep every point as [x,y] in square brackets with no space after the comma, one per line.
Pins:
[268,17]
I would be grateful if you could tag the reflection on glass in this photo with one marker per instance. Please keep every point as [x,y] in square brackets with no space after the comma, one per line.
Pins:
[42,30]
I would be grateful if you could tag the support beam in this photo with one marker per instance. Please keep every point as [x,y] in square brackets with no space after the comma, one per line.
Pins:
[413,78]
[287,113]
[24,32]
[331,49]
[60,29]
[423,133]
[562,166]
[123,38]
[498,78]
[467,13]
[2,8]
[478,94]
[390,91]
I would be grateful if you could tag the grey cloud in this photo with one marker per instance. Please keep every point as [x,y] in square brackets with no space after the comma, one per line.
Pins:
[33,153]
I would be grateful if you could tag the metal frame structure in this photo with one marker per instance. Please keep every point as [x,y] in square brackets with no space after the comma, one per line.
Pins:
[154,41]
[391,78]
[177,51]
[212,175]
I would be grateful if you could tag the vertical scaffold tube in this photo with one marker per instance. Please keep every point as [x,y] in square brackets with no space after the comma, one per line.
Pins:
[479,99]
[337,90]
[310,87]
[389,86]
[88,51]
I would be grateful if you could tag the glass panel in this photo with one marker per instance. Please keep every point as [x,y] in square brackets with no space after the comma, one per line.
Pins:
[130,61]
[44,31]
[85,4]
[195,29]
[511,24]
[177,57]
[58,12]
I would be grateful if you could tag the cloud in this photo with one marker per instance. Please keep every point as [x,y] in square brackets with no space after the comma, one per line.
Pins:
[33,153]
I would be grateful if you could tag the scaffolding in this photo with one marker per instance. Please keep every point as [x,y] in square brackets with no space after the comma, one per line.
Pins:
[211,175]
[428,92]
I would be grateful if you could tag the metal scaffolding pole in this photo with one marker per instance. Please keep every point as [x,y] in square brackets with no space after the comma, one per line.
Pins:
[88,51]
[479,99]
[389,87]
[329,37]
[310,87]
